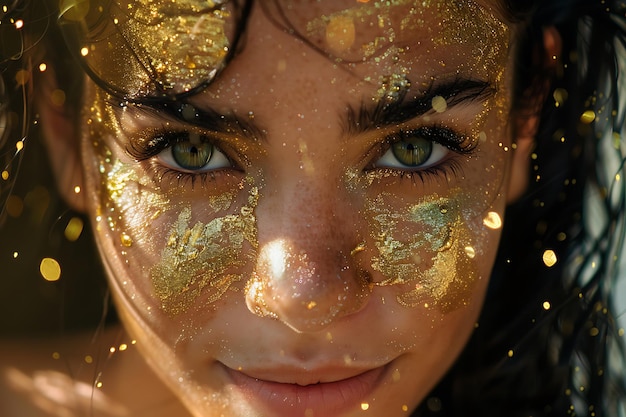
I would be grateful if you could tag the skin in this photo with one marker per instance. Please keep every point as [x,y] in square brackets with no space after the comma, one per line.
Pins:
[313,294]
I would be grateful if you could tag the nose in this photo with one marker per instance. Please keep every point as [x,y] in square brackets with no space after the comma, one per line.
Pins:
[308,273]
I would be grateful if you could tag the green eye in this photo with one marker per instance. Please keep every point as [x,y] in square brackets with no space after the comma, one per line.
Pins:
[192,154]
[412,151]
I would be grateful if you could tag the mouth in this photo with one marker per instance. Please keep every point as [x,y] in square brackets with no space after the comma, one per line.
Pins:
[335,392]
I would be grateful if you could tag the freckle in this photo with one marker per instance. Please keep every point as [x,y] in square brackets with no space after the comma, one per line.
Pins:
[281,66]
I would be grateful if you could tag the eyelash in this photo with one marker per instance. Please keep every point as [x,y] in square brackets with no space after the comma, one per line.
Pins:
[459,144]
[155,142]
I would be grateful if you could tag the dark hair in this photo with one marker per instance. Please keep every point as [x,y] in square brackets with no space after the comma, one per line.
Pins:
[546,340]
[547,337]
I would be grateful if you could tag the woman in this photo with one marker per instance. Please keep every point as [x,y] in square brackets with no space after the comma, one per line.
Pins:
[300,207]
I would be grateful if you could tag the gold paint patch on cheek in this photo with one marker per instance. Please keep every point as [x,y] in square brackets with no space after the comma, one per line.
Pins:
[423,246]
[204,259]
[451,278]
[400,248]
[130,192]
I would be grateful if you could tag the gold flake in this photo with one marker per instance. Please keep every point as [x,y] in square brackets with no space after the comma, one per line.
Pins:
[434,227]
[340,33]
[202,259]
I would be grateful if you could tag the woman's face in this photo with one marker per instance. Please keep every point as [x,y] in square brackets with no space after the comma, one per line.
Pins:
[312,235]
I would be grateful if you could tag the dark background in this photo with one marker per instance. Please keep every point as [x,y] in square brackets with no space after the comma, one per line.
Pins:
[33,225]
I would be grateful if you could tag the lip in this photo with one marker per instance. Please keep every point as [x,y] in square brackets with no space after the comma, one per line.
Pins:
[329,398]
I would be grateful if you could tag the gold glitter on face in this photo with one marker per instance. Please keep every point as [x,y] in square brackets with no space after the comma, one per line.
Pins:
[143,47]
[290,286]
[126,190]
[385,30]
[200,259]
[192,258]
[339,240]
[424,246]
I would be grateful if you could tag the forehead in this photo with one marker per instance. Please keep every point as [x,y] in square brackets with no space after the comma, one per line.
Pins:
[177,45]
[431,32]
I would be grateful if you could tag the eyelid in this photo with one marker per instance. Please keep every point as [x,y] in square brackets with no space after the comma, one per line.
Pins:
[388,159]
[443,139]
[152,149]
[218,160]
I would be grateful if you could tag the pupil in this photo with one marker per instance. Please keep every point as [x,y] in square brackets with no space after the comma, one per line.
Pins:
[412,151]
[192,156]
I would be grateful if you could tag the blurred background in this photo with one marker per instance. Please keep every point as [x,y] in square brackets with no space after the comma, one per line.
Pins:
[51,278]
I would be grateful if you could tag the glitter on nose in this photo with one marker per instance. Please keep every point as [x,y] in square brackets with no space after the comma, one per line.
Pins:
[305,287]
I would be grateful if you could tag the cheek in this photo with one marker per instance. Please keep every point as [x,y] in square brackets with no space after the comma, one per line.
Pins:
[162,255]
[204,260]
[435,252]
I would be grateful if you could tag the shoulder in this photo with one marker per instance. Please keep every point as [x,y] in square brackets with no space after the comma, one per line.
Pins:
[102,376]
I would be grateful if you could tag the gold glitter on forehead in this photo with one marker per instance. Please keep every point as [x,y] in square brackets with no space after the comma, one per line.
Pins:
[390,33]
[198,260]
[480,29]
[370,28]
[183,45]
[176,43]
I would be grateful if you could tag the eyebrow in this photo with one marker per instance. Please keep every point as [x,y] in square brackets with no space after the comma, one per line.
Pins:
[384,113]
[209,119]
[368,117]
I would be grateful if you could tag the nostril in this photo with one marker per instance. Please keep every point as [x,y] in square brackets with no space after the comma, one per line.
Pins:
[306,292]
